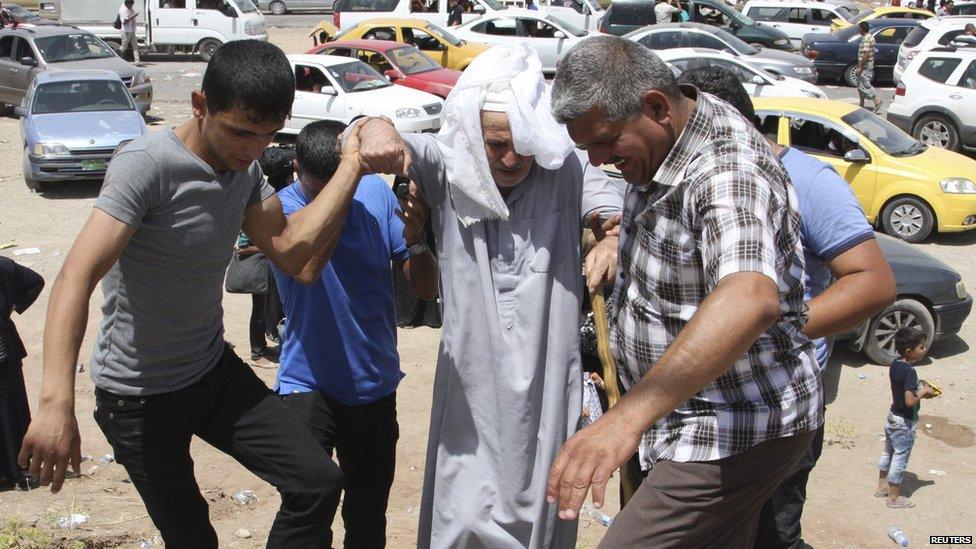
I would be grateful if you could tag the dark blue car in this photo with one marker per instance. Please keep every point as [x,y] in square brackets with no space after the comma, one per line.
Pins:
[835,54]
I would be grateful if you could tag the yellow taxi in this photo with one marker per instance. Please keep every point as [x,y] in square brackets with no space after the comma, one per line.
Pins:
[906,188]
[443,47]
[890,12]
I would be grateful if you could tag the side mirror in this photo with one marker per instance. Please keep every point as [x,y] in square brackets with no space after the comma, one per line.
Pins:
[142,107]
[328,90]
[479,9]
[391,74]
[856,156]
[559,35]
[28,61]
[21,112]
[758,80]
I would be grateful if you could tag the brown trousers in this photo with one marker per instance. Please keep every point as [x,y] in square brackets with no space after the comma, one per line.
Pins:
[705,504]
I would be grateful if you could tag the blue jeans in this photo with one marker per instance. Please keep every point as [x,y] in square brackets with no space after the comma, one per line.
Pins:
[899,439]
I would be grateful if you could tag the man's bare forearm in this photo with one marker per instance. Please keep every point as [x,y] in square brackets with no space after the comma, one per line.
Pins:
[726,324]
[845,305]
[64,330]
[421,272]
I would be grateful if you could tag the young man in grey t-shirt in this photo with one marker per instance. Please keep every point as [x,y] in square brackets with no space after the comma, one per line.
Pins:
[161,235]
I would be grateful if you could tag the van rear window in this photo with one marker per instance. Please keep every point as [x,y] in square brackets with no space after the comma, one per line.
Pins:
[365,5]
[915,37]
[637,14]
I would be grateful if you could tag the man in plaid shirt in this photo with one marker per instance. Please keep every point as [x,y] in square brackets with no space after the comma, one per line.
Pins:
[865,67]
[723,390]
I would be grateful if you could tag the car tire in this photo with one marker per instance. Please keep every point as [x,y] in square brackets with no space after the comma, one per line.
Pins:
[908,218]
[278,8]
[848,75]
[880,342]
[32,183]
[207,47]
[936,130]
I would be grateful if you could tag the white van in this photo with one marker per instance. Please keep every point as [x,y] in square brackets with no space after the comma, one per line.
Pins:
[796,17]
[188,26]
[929,34]
[585,14]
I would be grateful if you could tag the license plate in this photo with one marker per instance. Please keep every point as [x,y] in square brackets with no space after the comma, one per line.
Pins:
[92,165]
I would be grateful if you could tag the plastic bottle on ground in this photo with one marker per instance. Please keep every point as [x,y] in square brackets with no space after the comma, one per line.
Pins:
[898,536]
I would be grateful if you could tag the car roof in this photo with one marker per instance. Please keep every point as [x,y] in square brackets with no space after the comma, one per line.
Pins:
[807,105]
[892,22]
[60,75]
[949,21]
[378,45]
[317,59]
[697,52]
[898,9]
[792,3]
[46,30]
[394,22]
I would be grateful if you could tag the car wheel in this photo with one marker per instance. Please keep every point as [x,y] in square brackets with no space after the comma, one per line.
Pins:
[904,313]
[207,47]
[936,130]
[278,8]
[908,218]
[849,78]
[32,183]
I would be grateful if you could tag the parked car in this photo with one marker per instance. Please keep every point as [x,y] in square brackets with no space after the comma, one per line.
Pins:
[929,34]
[281,7]
[442,46]
[756,81]
[796,17]
[72,122]
[21,15]
[697,35]
[931,297]
[585,14]
[905,187]
[886,12]
[835,54]
[402,64]
[936,98]
[329,87]
[550,37]
[27,52]
[624,16]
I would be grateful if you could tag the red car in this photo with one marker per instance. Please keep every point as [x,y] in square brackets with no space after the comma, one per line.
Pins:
[403,64]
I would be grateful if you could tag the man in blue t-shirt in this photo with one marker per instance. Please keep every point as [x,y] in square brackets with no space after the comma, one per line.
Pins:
[847,281]
[339,363]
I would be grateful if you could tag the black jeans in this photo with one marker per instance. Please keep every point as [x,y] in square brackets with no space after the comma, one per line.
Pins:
[779,521]
[231,409]
[364,437]
[256,328]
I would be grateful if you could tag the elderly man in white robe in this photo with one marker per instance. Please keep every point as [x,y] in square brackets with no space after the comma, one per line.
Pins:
[508,197]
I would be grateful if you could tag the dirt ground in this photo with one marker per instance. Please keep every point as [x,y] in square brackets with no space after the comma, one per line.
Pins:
[841,511]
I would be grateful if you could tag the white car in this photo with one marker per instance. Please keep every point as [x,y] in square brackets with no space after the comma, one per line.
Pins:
[756,81]
[797,17]
[330,87]
[935,100]
[550,36]
[930,33]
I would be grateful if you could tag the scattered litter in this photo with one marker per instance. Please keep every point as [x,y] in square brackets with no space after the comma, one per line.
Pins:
[27,251]
[106,459]
[190,74]
[80,368]
[243,533]
[86,457]
[56,253]
[145,544]
[898,536]
[937,472]
[862,376]
[413,467]
[928,425]
[72,522]
[245,496]
[598,515]
[6,245]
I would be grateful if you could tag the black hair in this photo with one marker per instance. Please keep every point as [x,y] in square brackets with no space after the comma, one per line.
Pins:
[316,148]
[129,2]
[251,75]
[864,26]
[721,83]
[907,339]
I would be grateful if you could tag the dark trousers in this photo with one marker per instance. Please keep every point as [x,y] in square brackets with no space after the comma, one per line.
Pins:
[705,504]
[231,409]
[779,521]
[14,417]
[256,328]
[364,437]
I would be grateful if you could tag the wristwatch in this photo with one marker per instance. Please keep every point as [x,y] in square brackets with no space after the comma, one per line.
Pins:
[417,248]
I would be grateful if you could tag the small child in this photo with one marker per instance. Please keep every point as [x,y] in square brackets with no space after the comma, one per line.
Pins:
[903,416]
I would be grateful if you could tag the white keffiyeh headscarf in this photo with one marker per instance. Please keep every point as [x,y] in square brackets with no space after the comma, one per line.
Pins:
[504,79]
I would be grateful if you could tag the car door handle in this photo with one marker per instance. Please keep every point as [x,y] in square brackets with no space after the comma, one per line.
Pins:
[194,22]
[14,71]
[955,96]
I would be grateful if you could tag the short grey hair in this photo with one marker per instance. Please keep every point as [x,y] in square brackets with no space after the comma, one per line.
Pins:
[612,74]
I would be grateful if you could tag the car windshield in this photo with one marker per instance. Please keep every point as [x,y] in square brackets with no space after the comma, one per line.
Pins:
[357,76]
[82,95]
[883,134]
[915,37]
[495,5]
[734,42]
[845,13]
[410,60]
[72,47]
[450,38]
[862,14]
[246,6]
[566,26]
[20,13]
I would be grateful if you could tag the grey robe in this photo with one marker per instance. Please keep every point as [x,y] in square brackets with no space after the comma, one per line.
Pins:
[507,390]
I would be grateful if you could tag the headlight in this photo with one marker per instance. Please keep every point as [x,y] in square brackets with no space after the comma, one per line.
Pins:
[782,42]
[958,185]
[961,289]
[49,149]
[802,70]
[254,27]
[409,113]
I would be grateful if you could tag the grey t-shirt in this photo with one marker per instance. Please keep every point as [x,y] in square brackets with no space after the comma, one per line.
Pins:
[162,323]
